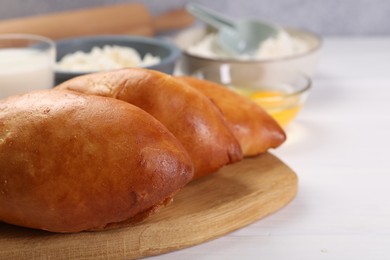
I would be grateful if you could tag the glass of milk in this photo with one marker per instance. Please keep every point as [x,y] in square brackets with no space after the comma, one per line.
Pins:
[26,63]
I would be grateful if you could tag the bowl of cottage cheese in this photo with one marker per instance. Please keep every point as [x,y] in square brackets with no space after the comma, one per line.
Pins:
[291,49]
[82,55]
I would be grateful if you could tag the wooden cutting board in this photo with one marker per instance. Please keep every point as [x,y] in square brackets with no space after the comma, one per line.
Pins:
[129,18]
[232,198]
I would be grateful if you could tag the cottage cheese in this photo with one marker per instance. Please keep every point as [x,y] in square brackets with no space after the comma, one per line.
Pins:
[105,58]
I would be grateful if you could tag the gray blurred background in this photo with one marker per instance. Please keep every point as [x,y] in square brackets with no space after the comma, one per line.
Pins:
[326,17]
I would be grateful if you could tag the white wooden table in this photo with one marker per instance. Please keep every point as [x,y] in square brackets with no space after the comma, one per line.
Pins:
[340,148]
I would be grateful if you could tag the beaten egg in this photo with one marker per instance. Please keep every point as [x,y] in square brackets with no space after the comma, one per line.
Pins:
[282,105]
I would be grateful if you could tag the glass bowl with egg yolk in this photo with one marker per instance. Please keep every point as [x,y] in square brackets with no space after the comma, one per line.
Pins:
[281,93]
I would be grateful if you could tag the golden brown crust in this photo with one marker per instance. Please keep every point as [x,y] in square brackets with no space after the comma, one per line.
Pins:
[186,112]
[72,162]
[137,218]
[251,125]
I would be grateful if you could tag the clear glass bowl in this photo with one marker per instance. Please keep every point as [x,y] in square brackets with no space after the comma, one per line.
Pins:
[281,93]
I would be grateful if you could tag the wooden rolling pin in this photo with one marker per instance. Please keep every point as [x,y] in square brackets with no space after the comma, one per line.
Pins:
[133,18]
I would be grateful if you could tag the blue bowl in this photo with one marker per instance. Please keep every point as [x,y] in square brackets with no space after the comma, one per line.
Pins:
[167,51]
